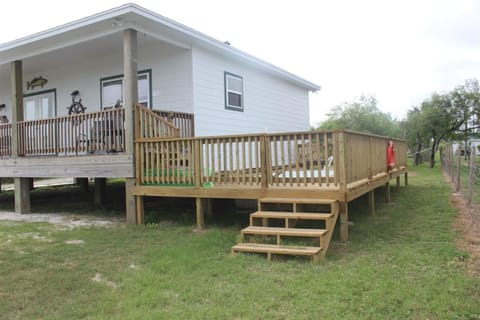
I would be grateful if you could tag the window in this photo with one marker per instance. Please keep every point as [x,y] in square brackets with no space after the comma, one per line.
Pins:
[39,105]
[112,90]
[233,92]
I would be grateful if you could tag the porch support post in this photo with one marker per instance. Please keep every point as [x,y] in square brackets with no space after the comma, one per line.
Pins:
[140,210]
[371,202]
[398,183]
[344,222]
[200,213]
[100,190]
[130,97]
[22,185]
[406,179]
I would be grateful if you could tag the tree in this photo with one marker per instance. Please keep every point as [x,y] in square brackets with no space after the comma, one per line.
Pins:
[444,116]
[361,115]
[466,99]
[414,132]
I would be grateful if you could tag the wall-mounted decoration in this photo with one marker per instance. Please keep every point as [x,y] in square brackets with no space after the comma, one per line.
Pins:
[36,82]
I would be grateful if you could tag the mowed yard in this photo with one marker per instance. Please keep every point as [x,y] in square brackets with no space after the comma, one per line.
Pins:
[402,263]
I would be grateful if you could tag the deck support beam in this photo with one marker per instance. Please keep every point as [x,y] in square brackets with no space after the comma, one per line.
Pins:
[130,97]
[22,185]
[140,210]
[406,179]
[371,202]
[100,190]
[344,222]
[199,202]
[398,182]
[130,202]
[22,195]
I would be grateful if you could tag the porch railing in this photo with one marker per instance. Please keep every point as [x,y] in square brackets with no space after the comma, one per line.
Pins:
[152,125]
[82,133]
[184,121]
[322,159]
[6,140]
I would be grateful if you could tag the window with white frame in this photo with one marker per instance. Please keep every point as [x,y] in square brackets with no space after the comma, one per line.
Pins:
[233,92]
[41,105]
[112,90]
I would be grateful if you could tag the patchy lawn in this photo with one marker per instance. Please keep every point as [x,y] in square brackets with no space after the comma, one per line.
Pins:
[402,263]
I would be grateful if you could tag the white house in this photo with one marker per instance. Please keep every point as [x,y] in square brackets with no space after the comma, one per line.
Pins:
[179,69]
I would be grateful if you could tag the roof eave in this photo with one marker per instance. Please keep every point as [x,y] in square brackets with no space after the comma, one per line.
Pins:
[145,13]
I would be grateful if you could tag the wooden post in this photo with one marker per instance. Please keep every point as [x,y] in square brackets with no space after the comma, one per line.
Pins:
[398,183]
[130,98]
[198,163]
[387,192]
[344,222]
[342,159]
[100,190]
[140,210]
[22,185]
[200,213]
[130,202]
[371,202]
[264,160]
[406,178]
[471,177]
[22,195]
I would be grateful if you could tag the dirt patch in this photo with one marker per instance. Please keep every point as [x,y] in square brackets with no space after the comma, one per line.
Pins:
[468,223]
[65,220]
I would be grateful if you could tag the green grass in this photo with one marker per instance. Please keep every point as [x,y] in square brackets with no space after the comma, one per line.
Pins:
[401,263]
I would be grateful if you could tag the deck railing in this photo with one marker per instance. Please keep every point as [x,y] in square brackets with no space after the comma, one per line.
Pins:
[152,125]
[5,140]
[323,159]
[184,121]
[81,133]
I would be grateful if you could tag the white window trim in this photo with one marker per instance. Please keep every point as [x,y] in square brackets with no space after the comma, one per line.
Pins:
[228,106]
[116,78]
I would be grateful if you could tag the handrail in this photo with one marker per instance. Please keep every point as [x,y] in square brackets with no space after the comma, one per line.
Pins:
[152,125]
[182,120]
[81,133]
[5,140]
[331,159]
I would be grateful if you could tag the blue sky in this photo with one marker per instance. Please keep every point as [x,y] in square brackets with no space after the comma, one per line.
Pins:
[398,51]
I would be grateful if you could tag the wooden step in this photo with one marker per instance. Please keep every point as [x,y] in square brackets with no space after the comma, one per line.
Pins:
[271,248]
[297,200]
[291,232]
[291,215]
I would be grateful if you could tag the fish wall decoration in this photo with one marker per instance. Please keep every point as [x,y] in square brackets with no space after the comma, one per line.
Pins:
[36,82]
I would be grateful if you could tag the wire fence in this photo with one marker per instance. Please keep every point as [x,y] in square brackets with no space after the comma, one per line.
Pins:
[464,172]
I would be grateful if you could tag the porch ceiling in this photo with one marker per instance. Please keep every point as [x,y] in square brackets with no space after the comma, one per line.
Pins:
[77,52]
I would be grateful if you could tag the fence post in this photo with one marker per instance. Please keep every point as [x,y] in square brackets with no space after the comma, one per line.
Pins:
[471,177]
[459,164]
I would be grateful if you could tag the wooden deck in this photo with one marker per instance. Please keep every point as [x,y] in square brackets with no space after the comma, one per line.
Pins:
[332,167]
[166,161]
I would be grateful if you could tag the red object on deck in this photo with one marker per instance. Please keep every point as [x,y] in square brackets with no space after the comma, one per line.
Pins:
[390,155]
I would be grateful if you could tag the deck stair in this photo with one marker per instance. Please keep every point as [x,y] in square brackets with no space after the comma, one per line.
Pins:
[279,220]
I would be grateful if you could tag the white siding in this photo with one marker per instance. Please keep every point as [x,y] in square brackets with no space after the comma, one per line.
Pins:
[171,79]
[270,104]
